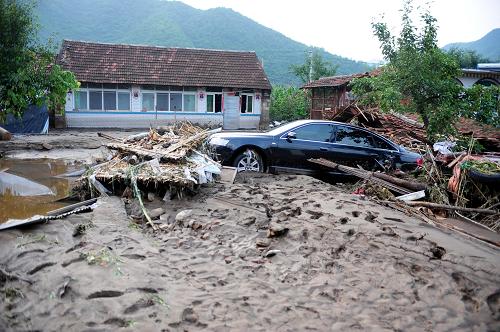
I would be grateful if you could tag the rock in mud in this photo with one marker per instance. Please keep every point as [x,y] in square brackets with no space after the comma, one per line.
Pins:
[271,253]
[276,230]
[189,316]
[156,213]
[183,215]
[262,243]
[47,146]
[151,196]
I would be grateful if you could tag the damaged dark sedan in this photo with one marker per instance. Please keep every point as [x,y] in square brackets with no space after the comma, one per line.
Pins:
[287,148]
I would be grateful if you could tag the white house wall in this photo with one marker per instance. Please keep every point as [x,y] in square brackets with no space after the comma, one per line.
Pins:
[136,118]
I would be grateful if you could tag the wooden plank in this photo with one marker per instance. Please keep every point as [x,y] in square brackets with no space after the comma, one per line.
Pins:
[367,175]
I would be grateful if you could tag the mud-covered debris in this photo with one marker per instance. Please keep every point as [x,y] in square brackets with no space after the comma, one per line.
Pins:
[262,242]
[271,253]
[438,252]
[156,213]
[183,215]
[189,316]
[151,196]
[344,220]
[276,230]
[47,146]
[370,216]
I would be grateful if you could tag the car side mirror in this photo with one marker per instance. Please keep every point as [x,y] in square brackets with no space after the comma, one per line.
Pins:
[290,135]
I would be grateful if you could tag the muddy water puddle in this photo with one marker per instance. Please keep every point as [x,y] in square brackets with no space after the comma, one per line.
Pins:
[30,187]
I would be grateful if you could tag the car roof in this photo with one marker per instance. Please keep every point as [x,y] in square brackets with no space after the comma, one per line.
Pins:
[327,121]
[308,121]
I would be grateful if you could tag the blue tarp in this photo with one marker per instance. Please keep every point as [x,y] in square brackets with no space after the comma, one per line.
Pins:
[35,120]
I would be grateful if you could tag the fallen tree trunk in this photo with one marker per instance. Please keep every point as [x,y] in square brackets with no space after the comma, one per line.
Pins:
[367,175]
[5,135]
[451,207]
[416,186]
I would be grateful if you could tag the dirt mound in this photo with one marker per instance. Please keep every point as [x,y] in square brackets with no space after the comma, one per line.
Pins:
[267,253]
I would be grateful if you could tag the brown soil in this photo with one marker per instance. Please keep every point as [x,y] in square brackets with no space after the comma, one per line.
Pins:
[338,261]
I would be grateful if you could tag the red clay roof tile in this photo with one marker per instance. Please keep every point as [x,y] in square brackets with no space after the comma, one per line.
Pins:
[133,64]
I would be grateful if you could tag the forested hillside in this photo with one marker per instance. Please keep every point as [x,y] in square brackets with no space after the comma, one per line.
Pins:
[488,46]
[171,23]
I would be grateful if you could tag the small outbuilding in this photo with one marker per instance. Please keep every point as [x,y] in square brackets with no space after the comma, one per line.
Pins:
[133,86]
[330,94]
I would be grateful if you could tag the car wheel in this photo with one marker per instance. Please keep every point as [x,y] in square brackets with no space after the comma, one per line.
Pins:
[249,161]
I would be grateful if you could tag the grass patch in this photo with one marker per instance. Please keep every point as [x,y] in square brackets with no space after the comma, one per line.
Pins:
[104,258]
[12,293]
[26,240]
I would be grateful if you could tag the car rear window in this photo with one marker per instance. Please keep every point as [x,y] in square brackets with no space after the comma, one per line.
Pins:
[354,137]
[381,144]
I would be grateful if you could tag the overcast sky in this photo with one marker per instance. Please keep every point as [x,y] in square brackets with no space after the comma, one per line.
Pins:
[343,27]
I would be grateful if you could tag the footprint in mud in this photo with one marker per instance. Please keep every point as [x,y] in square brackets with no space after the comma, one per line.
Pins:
[371,216]
[116,321]
[387,231]
[134,256]
[219,214]
[315,214]
[468,288]
[104,294]
[141,304]
[438,252]
[493,302]
[344,220]
[355,214]
[27,252]
[41,267]
[71,261]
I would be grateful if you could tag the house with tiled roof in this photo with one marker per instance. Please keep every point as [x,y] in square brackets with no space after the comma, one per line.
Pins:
[133,86]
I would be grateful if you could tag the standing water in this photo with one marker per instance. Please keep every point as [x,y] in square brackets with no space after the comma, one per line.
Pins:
[33,186]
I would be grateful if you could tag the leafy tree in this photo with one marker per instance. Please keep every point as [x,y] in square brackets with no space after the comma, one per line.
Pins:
[320,68]
[482,103]
[419,77]
[288,103]
[466,58]
[28,75]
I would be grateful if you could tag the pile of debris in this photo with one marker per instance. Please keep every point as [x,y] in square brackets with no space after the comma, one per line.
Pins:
[407,130]
[168,160]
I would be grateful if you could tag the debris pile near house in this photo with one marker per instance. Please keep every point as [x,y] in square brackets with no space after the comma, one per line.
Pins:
[167,160]
[407,130]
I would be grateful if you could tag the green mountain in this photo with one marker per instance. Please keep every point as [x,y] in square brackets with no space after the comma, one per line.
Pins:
[175,24]
[488,46]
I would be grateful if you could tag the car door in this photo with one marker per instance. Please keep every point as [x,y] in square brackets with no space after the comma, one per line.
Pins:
[355,147]
[308,141]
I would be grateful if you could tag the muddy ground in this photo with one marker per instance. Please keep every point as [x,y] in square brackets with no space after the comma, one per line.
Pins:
[334,261]
[62,139]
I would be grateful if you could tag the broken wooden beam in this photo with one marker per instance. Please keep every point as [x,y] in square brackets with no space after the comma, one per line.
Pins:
[452,207]
[367,175]
[415,186]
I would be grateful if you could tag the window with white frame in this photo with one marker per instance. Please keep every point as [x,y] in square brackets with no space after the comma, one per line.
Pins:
[214,102]
[175,101]
[81,100]
[189,102]
[161,99]
[148,101]
[102,97]
[246,103]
